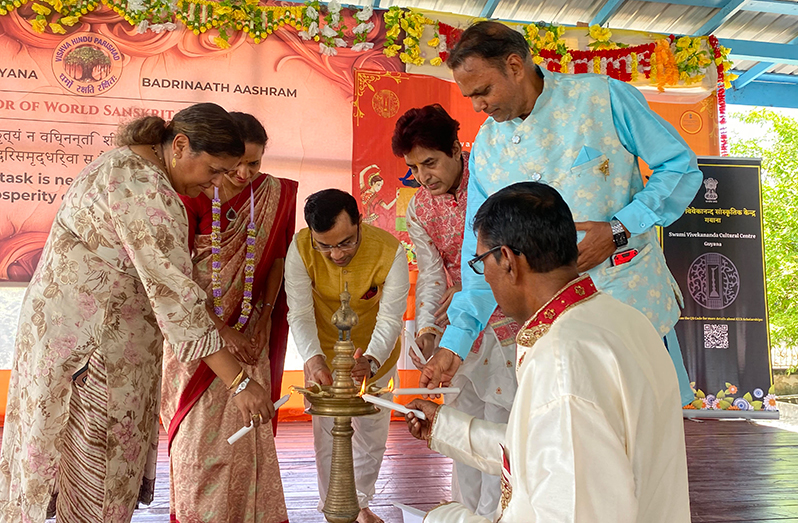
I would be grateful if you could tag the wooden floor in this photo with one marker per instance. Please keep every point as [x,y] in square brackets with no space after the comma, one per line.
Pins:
[739,472]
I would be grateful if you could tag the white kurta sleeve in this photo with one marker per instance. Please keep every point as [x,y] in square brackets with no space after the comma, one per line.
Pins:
[431,283]
[568,464]
[468,440]
[299,294]
[393,303]
[453,513]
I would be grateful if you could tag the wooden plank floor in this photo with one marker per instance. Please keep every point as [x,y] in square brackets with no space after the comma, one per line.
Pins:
[739,472]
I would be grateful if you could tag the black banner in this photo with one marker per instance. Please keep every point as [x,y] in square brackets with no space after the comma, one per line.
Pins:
[716,253]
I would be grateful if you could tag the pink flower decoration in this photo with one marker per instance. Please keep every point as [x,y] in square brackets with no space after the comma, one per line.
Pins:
[86,305]
[64,345]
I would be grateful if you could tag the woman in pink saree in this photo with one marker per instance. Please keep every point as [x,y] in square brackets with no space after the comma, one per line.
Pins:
[210,479]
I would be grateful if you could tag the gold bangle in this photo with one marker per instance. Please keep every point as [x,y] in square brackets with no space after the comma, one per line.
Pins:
[238,379]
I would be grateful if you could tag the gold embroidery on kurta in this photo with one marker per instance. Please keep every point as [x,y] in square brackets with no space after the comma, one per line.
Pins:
[605,169]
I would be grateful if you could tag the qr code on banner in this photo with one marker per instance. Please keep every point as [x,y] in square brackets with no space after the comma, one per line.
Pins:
[716,336]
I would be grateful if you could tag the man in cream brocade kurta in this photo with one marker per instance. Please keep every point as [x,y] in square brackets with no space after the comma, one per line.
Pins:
[595,432]
[586,421]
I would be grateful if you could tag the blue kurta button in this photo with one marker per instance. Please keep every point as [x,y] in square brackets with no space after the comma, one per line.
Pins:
[535,177]
[516,139]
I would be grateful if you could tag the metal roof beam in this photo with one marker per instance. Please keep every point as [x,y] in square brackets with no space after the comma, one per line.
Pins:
[715,4]
[609,8]
[488,8]
[761,51]
[375,4]
[746,77]
[765,94]
[770,77]
[779,7]
[731,8]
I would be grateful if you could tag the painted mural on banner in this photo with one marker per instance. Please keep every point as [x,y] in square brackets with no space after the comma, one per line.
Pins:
[716,253]
[382,180]
[64,96]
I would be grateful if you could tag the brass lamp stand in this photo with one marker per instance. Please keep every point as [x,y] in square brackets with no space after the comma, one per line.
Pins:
[341,401]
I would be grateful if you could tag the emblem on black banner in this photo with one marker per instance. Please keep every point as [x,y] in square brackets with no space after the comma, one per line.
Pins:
[711,196]
[713,281]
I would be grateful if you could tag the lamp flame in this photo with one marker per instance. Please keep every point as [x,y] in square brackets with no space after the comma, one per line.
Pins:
[362,388]
[390,385]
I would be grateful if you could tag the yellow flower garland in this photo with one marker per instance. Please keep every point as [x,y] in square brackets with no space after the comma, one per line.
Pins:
[198,16]
[412,23]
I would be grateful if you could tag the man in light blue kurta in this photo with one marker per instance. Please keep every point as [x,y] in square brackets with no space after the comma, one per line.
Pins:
[582,134]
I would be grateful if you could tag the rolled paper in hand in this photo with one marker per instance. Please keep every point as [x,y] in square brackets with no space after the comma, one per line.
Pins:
[441,390]
[380,402]
[245,429]
[414,346]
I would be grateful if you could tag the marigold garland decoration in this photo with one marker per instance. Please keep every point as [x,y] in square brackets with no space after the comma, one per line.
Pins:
[668,62]
[667,72]
[200,16]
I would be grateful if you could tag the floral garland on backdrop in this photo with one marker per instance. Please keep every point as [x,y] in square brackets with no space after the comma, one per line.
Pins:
[312,22]
[667,62]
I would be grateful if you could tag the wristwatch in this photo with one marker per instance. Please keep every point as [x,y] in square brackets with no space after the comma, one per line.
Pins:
[241,387]
[375,367]
[618,233]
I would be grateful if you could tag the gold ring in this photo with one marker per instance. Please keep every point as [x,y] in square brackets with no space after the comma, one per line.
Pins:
[258,416]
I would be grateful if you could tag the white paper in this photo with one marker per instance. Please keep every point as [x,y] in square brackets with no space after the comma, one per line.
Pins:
[410,514]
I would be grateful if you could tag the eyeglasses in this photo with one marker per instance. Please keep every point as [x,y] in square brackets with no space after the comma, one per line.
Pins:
[477,263]
[343,246]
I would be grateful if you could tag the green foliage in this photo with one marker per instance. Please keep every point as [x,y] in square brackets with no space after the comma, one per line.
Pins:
[87,56]
[777,145]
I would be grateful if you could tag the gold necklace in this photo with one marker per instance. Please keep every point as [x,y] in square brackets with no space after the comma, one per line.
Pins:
[158,156]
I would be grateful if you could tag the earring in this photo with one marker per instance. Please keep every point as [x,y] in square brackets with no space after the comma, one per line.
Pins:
[174,161]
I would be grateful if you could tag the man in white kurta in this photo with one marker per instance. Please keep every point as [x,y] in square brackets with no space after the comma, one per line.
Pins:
[595,432]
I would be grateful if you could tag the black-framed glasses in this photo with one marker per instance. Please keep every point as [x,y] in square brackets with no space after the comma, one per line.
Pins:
[343,246]
[477,263]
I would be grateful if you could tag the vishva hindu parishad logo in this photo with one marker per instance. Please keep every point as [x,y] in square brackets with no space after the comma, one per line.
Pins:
[87,63]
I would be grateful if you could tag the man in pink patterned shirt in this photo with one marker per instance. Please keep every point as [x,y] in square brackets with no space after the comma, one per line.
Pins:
[427,139]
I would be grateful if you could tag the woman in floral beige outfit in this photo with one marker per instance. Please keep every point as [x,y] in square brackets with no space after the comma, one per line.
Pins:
[113,282]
